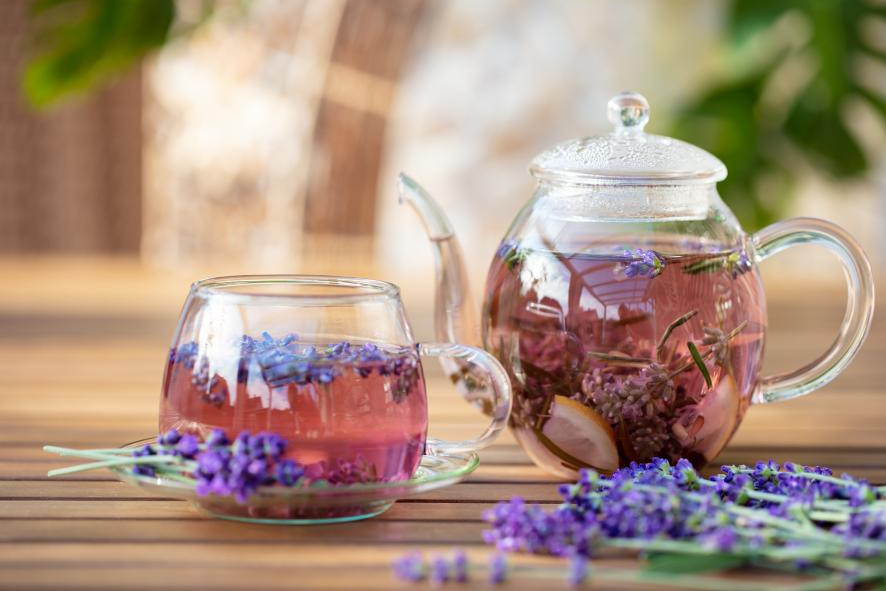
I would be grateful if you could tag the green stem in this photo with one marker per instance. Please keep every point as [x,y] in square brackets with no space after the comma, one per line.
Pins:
[115,462]
[821,504]
[809,476]
[671,327]
[623,359]
[90,454]
[175,475]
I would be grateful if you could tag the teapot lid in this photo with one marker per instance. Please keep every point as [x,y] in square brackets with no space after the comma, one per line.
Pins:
[627,155]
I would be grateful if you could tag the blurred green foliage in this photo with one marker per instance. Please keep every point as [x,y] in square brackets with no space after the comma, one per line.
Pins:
[82,43]
[791,73]
[796,71]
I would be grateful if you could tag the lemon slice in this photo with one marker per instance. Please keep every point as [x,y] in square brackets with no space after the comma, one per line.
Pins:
[719,409]
[573,437]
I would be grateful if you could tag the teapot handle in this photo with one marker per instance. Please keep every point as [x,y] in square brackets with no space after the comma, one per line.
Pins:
[859,307]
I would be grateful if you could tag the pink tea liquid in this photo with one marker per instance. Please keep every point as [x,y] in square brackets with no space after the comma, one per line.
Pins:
[599,350]
[351,413]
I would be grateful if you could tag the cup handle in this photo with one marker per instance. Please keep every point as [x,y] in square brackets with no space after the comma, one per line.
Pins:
[493,392]
[859,307]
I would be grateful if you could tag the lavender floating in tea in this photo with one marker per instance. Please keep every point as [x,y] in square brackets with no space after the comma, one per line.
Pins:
[625,357]
[341,405]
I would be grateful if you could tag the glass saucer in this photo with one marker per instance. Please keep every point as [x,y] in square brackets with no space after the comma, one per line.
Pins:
[314,504]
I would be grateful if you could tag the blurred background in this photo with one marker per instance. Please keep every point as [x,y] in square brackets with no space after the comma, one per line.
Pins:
[144,143]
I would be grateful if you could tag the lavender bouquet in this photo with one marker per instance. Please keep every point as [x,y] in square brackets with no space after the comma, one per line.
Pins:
[799,519]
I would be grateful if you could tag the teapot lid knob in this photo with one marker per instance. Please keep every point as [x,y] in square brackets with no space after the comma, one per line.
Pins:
[628,112]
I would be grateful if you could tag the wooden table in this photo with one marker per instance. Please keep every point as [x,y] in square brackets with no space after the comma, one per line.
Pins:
[82,367]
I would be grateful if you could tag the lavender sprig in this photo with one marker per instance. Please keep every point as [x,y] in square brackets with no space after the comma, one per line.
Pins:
[787,516]
[413,568]
[511,253]
[216,466]
[735,263]
[643,263]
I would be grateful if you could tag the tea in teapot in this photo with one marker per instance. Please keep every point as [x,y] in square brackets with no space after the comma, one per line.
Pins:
[626,304]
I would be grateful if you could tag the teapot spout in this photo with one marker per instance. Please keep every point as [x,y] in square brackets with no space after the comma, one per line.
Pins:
[454,314]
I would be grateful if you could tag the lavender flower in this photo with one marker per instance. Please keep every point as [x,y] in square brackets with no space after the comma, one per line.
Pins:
[718,341]
[439,570]
[288,472]
[359,471]
[498,568]
[460,566]
[642,402]
[738,263]
[721,540]
[218,438]
[643,263]
[249,462]
[578,570]
[186,354]
[187,446]
[284,361]
[511,253]
[410,567]
[171,437]
[144,469]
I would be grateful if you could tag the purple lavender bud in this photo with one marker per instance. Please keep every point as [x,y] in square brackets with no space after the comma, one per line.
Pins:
[498,568]
[722,539]
[241,443]
[288,472]
[212,484]
[323,375]
[237,464]
[185,353]
[578,570]
[504,248]
[210,463]
[188,446]
[861,495]
[143,470]
[738,263]
[143,451]
[643,263]
[218,486]
[247,344]
[274,446]
[370,352]
[460,566]
[257,469]
[171,437]
[439,570]
[410,567]
[217,438]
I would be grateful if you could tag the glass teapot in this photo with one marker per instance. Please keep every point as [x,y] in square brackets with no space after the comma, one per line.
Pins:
[626,304]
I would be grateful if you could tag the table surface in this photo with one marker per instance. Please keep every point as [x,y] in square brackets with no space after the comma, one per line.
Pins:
[82,368]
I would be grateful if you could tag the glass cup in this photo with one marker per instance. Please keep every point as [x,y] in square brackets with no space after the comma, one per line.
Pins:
[328,363]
